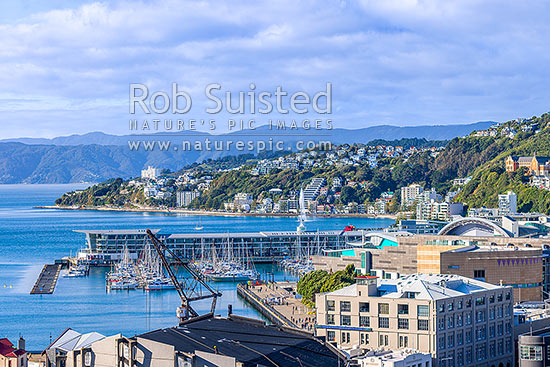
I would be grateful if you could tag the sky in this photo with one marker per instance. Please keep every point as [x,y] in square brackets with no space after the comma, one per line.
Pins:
[66,66]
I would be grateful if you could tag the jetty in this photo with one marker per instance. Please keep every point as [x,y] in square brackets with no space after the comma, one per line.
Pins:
[47,280]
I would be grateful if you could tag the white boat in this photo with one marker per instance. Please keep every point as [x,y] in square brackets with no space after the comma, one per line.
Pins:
[76,271]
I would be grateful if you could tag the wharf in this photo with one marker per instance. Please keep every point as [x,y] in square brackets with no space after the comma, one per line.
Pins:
[277,301]
[45,284]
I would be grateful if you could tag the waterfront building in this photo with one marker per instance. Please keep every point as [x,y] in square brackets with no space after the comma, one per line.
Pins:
[453,318]
[417,226]
[507,203]
[397,358]
[106,246]
[12,356]
[184,198]
[150,173]
[439,211]
[243,201]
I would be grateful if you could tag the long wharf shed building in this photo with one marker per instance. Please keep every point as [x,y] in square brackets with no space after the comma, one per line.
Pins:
[106,246]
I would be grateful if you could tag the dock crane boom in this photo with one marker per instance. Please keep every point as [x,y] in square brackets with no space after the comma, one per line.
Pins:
[193,288]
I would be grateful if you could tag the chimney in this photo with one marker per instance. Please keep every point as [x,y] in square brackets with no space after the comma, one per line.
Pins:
[229,310]
[21,343]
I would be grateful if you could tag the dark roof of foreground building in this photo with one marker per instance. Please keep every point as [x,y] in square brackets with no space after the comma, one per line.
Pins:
[249,341]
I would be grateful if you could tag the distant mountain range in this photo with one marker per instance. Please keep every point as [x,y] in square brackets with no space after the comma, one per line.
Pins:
[97,156]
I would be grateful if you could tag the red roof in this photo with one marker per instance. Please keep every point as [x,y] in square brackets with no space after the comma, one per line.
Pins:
[7,349]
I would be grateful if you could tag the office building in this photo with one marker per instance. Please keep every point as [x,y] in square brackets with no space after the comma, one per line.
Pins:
[459,321]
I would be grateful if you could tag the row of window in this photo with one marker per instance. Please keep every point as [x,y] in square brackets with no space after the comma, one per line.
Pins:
[383,308]
[383,322]
[460,319]
[465,337]
[479,301]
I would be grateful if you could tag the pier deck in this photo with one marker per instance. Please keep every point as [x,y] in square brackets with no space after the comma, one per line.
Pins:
[277,302]
[45,284]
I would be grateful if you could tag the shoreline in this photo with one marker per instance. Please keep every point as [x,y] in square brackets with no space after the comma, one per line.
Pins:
[210,212]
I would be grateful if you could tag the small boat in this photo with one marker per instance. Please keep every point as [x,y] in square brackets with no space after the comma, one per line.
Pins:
[76,271]
[199,226]
[159,284]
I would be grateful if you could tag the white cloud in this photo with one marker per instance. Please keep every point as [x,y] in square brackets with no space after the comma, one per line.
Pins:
[391,61]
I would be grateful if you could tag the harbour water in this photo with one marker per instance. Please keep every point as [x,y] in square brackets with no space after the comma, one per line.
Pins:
[30,237]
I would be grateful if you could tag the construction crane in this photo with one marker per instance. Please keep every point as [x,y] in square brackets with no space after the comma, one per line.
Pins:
[191,288]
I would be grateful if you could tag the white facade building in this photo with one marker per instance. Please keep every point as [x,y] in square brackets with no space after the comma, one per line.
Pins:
[150,173]
[508,203]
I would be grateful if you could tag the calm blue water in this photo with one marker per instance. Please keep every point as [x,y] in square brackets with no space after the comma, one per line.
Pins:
[29,238]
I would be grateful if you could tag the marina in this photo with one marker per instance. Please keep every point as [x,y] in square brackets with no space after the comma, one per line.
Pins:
[76,300]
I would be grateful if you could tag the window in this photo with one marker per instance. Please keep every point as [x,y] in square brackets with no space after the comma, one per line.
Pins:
[480,301]
[364,307]
[532,353]
[403,324]
[468,355]
[345,320]
[468,336]
[403,341]
[479,274]
[364,338]
[442,342]
[330,305]
[423,324]
[330,319]
[492,331]
[345,337]
[450,340]
[403,309]
[423,310]
[383,322]
[499,297]
[441,324]
[345,306]
[492,350]
[492,313]
[331,336]
[460,358]
[384,340]
[480,316]
[468,303]
[459,338]
[450,322]
[383,308]
[507,296]
[441,307]
[450,306]
[500,329]
[459,305]
[88,359]
[459,320]
[364,321]
[492,298]
[467,318]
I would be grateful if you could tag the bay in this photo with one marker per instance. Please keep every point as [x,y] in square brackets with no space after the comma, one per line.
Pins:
[30,238]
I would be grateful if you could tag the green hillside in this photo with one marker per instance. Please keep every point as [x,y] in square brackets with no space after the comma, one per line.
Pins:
[491,179]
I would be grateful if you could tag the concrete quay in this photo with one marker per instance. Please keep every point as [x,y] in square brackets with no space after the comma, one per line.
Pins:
[278,302]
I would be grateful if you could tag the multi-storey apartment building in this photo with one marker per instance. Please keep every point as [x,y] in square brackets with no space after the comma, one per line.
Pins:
[409,193]
[460,321]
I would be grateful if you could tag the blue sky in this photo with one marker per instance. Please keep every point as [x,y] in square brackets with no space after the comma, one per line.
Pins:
[65,66]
